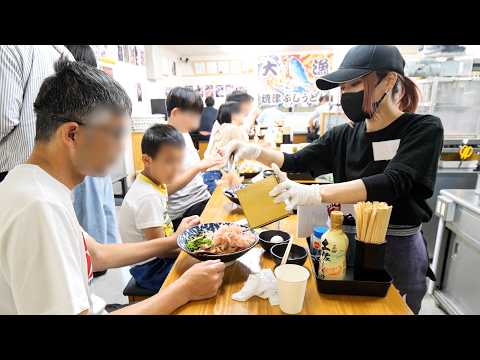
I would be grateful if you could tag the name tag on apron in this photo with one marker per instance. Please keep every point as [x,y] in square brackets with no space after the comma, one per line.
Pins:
[385,150]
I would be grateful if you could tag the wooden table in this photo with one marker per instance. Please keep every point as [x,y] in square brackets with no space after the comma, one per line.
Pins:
[220,208]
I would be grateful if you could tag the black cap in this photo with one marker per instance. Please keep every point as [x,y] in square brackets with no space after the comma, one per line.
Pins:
[362,60]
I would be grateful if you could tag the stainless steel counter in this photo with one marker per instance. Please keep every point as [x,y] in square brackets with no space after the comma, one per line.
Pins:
[466,198]
[446,179]
[456,260]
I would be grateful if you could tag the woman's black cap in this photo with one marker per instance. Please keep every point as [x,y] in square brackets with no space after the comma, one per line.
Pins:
[362,60]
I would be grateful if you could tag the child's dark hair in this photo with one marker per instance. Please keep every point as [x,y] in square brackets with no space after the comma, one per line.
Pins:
[159,135]
[184,99]
[239,96]
[226,110]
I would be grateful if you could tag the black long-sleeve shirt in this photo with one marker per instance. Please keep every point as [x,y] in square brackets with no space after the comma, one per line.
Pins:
[209,115]
[405,179]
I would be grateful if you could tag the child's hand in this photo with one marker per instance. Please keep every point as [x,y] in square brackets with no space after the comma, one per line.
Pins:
[214,160]
[187,223]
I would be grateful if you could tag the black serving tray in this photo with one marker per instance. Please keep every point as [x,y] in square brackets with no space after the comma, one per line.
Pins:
[372,283]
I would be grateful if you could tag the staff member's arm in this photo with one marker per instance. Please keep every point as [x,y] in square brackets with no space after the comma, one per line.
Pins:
[412,168]
[411,171]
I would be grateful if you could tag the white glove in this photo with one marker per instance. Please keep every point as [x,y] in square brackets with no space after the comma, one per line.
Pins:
[242,151]
[294,194]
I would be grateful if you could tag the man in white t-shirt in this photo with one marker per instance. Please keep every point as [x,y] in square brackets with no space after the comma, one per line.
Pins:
[188,194]
[46,259]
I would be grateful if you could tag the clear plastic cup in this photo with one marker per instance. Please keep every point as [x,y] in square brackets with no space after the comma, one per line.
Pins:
[292,283]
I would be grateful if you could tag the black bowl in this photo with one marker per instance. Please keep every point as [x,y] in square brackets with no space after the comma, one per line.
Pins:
[266,236]
[298,254]
[198,229]
[250,175]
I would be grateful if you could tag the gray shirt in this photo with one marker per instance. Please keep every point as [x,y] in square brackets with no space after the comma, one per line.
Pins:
[22,71]
[195,191]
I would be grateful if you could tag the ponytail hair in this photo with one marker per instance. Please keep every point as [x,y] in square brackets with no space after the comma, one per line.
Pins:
[409,94]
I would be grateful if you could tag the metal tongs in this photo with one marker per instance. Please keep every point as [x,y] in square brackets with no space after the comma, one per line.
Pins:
[230,163]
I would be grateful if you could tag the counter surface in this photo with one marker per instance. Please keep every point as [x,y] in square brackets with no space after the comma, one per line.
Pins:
[465,197]
[220,208]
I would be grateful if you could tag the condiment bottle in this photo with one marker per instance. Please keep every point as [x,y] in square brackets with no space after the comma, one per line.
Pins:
[279,136]
[333,251]
[315,240]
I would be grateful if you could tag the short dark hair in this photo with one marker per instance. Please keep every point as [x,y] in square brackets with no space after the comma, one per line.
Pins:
[184,99]
[239,96]
[226,110]
[83,53]
[73,93]
[209,101]
[159,135]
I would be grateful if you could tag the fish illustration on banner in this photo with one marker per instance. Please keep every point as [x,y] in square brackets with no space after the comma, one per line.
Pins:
[290,79]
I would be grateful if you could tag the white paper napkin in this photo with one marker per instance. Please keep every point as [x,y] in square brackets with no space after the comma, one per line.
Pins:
[262,284]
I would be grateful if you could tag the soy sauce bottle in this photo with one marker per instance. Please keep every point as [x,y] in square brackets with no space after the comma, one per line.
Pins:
[333,251]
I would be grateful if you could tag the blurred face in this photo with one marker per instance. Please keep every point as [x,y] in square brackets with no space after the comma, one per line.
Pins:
[237,119]
[189,120]
[166,164]
[95,146]
[246,107]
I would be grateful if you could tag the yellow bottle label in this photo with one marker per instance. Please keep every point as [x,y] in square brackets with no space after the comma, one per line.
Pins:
[333,255]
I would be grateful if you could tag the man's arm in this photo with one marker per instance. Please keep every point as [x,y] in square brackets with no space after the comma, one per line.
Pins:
[107,256]
[11,88]
[163,303]
[201,281]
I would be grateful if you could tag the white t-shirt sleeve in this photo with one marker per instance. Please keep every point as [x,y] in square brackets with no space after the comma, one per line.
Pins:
[43,265]
[150,212]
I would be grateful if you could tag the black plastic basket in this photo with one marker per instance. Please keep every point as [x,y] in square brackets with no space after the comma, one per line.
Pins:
[369,259]
[371,280]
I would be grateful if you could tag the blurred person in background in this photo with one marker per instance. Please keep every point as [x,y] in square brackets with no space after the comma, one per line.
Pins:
[22,70]
[246,106]
[93,199]
[230,117]
[314,121]
[209,115]
[188,194]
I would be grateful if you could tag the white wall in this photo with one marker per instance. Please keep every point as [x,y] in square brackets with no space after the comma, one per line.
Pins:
[129,75]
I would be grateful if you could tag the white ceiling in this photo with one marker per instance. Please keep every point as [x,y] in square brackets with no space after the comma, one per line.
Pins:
[207,50]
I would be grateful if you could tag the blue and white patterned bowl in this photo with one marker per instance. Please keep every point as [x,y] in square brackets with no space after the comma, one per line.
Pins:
[199,229]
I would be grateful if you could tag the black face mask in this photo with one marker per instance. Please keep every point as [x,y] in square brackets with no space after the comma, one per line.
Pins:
[352,104]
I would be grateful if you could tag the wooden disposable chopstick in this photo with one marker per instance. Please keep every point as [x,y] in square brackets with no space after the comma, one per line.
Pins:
[372,221]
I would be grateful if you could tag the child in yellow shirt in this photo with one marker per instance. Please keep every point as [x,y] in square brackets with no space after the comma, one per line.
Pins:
[143,215]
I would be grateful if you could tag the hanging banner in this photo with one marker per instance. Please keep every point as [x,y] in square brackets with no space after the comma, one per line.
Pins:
[289,80]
